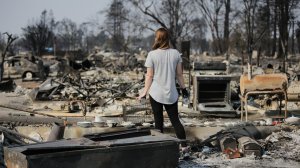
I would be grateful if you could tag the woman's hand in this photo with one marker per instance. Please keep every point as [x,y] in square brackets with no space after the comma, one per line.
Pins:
[185,93]
[142,95]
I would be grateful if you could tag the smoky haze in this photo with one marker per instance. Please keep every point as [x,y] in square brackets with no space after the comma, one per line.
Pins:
[15,14]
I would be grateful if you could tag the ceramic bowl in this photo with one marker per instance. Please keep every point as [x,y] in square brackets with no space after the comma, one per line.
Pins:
[99,124]
[128,124]
[98,119]
[188,124]
[146,125]
[84,124]
[167,124]
[111,123]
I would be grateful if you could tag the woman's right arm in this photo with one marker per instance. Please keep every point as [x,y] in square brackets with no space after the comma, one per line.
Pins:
[148,82]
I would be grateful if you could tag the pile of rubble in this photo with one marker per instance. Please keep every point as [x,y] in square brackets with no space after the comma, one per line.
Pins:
[104,96]
[280,149]
[90,91]
[283,145]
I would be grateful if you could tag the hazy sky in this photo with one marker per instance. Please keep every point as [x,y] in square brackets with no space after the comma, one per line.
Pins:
[15,14]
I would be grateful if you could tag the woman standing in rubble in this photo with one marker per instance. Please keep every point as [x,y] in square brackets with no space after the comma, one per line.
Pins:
[164,66]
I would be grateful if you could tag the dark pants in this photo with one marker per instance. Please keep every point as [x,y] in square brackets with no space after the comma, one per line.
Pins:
[172,110]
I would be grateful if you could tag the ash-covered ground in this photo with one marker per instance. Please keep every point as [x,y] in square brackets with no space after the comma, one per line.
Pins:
[281,149]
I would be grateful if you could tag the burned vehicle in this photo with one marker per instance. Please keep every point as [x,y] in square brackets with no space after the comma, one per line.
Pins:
[54,66]
[27,68]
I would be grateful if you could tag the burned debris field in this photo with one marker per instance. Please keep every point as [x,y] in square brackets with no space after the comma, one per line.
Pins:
[100,91]
[85,109]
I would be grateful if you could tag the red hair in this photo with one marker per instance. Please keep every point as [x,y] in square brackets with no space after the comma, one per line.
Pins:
[162,39]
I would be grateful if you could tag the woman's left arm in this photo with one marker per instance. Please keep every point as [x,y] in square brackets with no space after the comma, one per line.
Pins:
[179,75]
[148,82]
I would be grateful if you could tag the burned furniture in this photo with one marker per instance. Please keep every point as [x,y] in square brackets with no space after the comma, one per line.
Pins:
[131,148]
[211,87]
[262,84]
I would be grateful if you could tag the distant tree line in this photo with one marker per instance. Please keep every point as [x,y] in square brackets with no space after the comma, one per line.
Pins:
[218,26]
[240,25]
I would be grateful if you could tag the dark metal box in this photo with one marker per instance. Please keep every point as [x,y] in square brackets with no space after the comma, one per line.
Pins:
[138,148]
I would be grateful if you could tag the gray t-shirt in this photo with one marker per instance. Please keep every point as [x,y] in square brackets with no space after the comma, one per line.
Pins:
[164,63]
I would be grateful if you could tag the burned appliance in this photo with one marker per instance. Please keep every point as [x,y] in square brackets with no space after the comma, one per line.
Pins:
[211,86]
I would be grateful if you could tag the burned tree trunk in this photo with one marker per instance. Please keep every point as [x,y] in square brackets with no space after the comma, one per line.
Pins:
[285,12]
[10,40]
[274,48]
[283,30]
[211,12]
[268,31]
[250,11]
[226,25]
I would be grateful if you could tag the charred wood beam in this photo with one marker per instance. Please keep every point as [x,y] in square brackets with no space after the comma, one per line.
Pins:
[125,90]
[29,111]
[72,87]
[27,120]
[3,129]
[13,139]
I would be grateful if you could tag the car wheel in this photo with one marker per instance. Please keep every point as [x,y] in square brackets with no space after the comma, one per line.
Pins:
[28,75]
